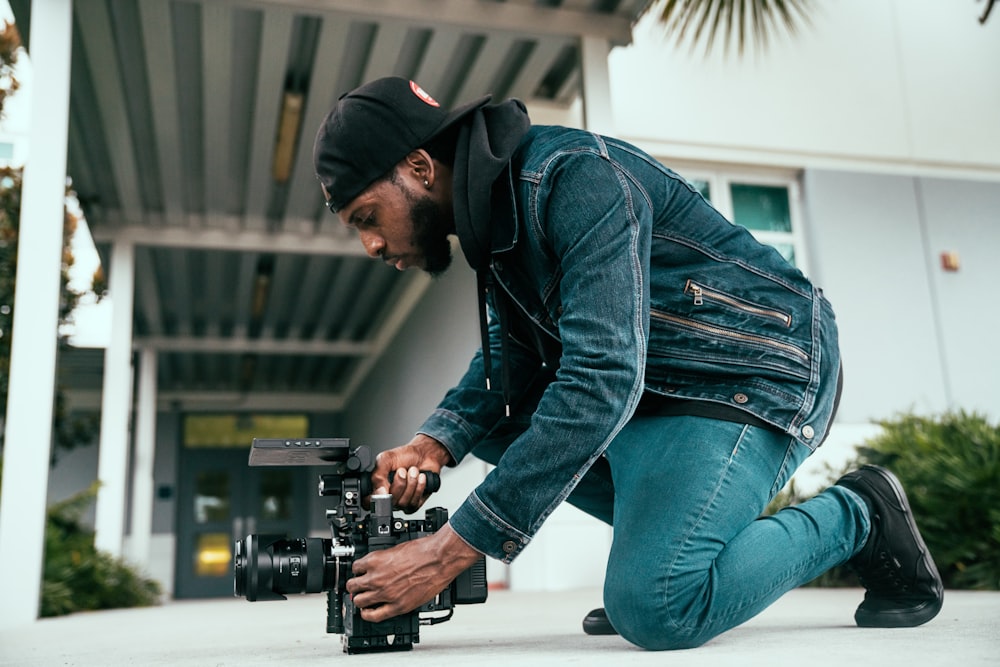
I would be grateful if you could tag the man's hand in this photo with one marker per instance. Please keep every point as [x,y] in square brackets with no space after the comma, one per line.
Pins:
[409,486]
[394,581]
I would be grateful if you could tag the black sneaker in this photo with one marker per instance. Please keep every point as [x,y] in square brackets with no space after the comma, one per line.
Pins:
[597,623]
[903,586]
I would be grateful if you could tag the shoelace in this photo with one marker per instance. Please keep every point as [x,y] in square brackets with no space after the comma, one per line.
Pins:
[883,576]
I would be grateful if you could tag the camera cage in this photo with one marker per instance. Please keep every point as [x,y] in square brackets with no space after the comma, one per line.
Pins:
[355,531]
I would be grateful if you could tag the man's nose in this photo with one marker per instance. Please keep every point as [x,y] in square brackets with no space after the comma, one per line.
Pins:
[373,244]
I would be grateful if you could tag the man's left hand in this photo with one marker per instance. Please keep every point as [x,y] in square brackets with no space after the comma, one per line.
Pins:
[394,581]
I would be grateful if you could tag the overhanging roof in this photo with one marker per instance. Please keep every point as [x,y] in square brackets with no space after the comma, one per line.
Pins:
[191,128]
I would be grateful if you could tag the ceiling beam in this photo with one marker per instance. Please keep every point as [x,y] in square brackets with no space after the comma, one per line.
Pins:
[481,15]
[217,64]
[148,302]
[304,194]
[98,41]
[155,18]
[224,345]
[244,286]
[543,55]
[480,79]
[274,46]
[437,60]
[220,239]
[272,401]
[222,401]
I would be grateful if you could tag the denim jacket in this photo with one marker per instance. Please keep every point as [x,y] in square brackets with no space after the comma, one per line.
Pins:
[619,279]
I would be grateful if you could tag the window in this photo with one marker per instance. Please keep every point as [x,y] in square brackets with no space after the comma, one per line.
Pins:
[238,430]
[767,205]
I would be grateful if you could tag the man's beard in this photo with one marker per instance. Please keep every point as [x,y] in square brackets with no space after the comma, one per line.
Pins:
[430,234]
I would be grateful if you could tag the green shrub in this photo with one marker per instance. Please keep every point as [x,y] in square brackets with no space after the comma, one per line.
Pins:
[78,577]
[950,468]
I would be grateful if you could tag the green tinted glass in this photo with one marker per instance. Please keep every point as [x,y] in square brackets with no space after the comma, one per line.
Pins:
[761,207]
[702,187]
[787,251]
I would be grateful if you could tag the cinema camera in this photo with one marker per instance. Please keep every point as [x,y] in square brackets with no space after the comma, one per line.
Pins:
[266,567]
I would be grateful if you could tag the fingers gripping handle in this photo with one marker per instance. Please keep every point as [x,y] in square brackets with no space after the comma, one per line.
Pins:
[433,480]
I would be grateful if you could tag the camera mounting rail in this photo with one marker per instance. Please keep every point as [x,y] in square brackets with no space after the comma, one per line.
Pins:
[266,567]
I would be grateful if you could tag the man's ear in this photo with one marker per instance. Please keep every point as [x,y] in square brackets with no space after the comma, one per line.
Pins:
[420,164]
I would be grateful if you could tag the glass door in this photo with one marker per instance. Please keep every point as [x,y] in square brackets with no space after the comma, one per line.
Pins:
[223,500]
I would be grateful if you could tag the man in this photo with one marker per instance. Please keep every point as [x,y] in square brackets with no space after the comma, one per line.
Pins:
[657,367]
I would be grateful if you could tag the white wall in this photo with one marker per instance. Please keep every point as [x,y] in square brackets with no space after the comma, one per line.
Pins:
[871,84]
[430,353]
[887,108]
[914,336]
[865,235]
[964,217]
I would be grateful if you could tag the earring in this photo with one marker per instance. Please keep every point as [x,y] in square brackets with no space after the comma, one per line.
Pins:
[427,183]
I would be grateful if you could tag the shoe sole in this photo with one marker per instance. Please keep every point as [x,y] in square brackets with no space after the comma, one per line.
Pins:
[908,618]
[598,624]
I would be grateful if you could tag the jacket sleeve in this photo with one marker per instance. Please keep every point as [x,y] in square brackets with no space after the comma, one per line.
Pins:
[585,211]
[469,411]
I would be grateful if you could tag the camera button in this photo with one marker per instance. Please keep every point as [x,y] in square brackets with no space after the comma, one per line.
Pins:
[509,547]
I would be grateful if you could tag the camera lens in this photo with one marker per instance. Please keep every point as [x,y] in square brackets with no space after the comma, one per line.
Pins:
[266,567]
[239,570]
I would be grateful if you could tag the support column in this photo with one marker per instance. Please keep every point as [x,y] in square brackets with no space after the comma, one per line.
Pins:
[142,469]
[31,389]
[597,113]
[116,404]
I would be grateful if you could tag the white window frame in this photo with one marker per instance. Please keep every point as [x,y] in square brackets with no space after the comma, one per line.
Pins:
[719,179]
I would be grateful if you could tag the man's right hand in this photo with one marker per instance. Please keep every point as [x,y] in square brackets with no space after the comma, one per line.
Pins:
[409,486]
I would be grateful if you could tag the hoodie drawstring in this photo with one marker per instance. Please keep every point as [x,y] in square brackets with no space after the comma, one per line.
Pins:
[484,280]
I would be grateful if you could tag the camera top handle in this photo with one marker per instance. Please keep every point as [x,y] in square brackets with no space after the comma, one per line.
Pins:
[336,452]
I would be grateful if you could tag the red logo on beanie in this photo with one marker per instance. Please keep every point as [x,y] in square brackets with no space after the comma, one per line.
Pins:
[422,94]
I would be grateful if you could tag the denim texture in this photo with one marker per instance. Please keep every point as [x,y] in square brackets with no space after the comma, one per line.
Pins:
[620,279]
[692,556]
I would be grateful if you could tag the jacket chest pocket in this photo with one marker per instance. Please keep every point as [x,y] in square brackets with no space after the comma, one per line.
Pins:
[700,294]
[726,341]
[706,330]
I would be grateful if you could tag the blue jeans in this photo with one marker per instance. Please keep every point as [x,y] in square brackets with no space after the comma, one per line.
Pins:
[692,557]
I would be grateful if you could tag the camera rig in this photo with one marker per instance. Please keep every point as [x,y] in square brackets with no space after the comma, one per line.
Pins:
[266,567]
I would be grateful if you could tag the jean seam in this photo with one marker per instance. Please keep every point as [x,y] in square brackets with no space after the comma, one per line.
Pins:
[776,487]
[701,517]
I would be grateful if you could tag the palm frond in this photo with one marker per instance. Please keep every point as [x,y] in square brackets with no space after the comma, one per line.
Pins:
[729,20]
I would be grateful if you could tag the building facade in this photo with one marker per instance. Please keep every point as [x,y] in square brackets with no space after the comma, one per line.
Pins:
[864,148]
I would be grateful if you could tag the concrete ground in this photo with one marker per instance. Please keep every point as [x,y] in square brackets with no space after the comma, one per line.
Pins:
[808,626]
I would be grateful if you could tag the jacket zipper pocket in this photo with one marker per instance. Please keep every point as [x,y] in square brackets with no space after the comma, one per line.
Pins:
[699,293]
[733,335]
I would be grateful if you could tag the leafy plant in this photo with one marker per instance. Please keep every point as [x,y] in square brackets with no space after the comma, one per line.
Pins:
[76,575]
[950,468]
